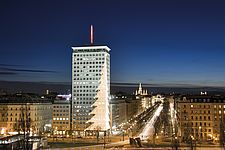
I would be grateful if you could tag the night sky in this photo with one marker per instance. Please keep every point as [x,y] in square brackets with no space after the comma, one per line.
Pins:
[164,42]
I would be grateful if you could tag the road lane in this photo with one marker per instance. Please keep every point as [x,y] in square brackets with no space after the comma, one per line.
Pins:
[148,130]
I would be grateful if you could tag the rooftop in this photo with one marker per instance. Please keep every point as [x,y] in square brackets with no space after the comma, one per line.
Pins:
[88,47]
[203,99]
[23,98]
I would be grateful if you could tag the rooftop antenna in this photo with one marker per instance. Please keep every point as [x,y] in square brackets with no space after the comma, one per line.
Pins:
[92,34]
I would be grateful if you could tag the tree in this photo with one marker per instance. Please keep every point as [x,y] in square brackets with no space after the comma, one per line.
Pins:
[24,125]
[165,116]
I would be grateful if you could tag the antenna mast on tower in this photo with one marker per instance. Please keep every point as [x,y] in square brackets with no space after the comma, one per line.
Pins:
[92,35]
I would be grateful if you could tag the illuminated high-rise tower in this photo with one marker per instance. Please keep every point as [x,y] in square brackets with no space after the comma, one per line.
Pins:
[90,87]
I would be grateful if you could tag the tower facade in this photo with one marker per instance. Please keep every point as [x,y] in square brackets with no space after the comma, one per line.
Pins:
[90,88]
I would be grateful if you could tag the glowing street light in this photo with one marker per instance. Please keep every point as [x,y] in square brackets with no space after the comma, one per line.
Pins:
[200,132]
[3,131]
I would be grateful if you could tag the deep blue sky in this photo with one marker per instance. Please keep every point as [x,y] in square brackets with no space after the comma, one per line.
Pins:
[151,41]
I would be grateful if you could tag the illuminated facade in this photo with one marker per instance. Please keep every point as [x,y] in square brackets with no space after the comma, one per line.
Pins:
[61,117]
[17,109]
[90,88]
[201,118]
[157,98]
[144,97]
[123,108]
[140,91]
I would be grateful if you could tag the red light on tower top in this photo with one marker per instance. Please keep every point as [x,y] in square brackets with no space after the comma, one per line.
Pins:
[92,34]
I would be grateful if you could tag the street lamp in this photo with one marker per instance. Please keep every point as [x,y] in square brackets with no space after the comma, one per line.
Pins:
[200,136]
[176,143]
[123,135]
[56,132]
[192,139]
[200,133]
[72,136]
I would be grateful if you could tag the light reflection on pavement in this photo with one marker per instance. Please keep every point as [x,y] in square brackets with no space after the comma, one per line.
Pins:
[148,130]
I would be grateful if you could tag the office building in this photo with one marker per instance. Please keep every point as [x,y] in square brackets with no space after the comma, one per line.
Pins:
[90,88]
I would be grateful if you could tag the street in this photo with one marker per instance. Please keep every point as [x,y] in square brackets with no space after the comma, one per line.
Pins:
[148,130]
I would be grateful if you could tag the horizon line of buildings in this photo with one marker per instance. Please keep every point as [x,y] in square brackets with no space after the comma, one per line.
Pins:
[55,114]
[199,117]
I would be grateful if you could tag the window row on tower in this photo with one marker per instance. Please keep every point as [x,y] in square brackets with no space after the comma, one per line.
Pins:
[91,86]
[97,74]
[87,67]
[84,94]
[80,70]
[86,79]
[79,90]
[84,98]
[97,62]
[88,55]
[88,59]
[83,102]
